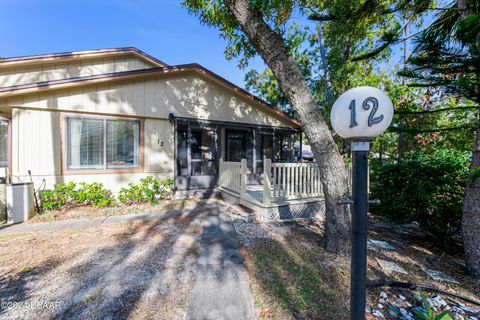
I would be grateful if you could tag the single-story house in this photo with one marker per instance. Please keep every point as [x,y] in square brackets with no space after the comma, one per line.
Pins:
[117,115]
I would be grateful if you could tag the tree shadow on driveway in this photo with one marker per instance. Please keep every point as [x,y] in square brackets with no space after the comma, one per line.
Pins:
[140,270]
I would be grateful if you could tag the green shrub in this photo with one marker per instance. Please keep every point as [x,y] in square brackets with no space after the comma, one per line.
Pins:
[94,194]
[62,194]
[425,188]
[149,189]
[474,174]
[70,194]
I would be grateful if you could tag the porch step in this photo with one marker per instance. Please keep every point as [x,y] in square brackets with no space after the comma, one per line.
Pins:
[308,208]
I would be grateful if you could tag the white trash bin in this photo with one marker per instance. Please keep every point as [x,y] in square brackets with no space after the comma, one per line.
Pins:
[3,201]
[20,203]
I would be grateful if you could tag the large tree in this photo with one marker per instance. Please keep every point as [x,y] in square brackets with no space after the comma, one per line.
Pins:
[259,27]
[447,56]
[271,47]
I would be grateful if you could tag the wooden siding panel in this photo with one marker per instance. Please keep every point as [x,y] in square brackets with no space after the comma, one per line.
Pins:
[38,149]
[189,96]
[159,146]
[72,69]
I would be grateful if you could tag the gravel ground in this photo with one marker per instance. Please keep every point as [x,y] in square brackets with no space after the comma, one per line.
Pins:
[123,271]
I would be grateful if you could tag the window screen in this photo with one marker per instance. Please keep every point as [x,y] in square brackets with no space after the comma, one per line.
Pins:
[102,143]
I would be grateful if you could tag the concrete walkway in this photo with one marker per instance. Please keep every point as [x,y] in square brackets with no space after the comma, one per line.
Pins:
[77,223]
[221,288]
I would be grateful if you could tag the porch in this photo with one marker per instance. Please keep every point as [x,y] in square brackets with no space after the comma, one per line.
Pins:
[287,190]
[201,145]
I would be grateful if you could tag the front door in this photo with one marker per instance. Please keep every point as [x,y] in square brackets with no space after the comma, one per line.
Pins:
[196,157]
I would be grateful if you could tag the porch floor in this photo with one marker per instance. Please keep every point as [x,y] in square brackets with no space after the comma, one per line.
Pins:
[254,194]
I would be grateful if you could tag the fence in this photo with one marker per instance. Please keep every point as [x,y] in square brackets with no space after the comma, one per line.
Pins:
[295,181]
[281,181]
[230,175]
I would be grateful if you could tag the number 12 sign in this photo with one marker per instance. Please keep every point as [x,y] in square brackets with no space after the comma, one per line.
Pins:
[362,112]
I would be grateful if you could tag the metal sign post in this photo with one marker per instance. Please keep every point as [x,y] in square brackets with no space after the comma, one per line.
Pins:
[360,115]
[359,230]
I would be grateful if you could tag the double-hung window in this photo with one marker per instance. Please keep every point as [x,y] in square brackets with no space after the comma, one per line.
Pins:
[102,144]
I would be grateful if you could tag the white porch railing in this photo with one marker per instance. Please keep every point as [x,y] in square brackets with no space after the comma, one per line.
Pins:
[295,181]
[281,181]
[230,175]
[350,179]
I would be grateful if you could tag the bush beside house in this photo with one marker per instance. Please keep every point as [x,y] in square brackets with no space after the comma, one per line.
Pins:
[427,188]
[149,189]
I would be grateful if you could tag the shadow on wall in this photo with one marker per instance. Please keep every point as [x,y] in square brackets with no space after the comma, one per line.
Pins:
[188,95]
[198,97]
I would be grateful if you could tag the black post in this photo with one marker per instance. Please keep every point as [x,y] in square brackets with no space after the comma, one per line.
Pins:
[359,230]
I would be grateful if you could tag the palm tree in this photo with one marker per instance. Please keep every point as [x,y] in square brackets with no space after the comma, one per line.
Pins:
[446,55]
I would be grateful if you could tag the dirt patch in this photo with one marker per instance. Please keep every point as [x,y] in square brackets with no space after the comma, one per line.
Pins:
[123,271]
[292,277]
[77,212]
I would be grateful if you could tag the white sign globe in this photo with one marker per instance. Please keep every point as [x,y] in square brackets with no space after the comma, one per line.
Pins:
[362,112]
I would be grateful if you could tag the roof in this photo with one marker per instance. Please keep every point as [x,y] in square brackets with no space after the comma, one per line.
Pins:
[162,68]
[75,55]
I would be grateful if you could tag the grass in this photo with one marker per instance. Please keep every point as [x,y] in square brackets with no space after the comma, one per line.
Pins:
[25,270]
[13,236]
[288,282]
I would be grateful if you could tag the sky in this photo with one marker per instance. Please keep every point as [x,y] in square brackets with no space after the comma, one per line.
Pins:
[161,28]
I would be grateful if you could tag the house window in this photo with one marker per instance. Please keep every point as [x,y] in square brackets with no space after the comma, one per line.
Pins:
[100,144]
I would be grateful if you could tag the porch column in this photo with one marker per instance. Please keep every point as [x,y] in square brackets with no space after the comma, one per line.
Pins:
[254,154]
[189,153]
[243,178]
[267,184]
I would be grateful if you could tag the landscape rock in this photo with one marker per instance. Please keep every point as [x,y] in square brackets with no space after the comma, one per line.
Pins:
[377,313]
[368,309]
[390,266]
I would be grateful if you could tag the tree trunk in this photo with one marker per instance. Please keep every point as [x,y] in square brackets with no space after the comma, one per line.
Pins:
[271,48]
[471,215]
[471,202]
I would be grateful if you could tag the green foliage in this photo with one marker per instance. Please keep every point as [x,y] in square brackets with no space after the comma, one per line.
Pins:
[62,194]
[429,314]
[447,52]
[94,194]
[349,44]
[149,189]
[474,174]
[70,194]
[425,188]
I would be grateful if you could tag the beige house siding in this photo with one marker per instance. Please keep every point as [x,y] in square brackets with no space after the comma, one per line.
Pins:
[47,71]
[189,95]
[38,149]
[38,118]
